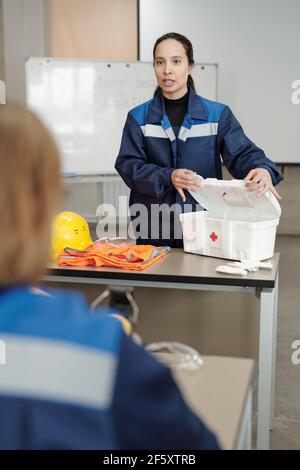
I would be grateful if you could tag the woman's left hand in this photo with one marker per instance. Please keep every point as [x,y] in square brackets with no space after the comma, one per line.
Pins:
[259,179]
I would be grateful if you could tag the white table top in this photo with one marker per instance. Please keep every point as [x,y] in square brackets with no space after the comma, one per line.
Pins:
[217,393]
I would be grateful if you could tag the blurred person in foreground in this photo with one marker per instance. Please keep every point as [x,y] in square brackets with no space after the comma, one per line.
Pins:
[72,379]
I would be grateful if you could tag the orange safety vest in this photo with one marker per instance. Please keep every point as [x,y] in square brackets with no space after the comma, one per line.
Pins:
[124,256]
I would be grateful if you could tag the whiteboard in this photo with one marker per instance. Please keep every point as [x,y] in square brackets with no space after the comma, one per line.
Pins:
[85,104]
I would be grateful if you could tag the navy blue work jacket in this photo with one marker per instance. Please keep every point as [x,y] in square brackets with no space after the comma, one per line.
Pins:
[74,380]
[150,152]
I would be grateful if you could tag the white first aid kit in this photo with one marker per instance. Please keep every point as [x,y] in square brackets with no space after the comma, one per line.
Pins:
[235,223]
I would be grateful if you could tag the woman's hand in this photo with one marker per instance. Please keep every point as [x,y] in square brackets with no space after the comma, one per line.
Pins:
[184,179]
[260,180]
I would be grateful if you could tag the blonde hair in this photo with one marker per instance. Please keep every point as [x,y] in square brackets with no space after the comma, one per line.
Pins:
[29,193]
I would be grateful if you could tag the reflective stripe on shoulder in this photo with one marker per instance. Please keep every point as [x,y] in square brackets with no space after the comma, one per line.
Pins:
[151,130]
[199,130]
[57,371]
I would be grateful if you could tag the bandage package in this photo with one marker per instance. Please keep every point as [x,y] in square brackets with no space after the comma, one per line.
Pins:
[235,223]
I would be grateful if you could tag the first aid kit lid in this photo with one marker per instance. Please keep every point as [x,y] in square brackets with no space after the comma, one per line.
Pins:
[230,200]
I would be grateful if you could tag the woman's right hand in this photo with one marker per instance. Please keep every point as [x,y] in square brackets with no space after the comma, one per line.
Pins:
[184,179]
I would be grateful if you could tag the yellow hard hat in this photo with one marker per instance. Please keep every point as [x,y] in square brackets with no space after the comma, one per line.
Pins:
[69,230]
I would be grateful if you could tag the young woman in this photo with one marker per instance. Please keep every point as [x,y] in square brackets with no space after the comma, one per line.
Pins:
[72,380]
[176,135]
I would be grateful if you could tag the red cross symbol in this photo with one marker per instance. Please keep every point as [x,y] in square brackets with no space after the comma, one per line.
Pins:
[213,236]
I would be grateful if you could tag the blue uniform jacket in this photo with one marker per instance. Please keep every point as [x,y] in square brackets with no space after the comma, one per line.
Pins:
[70,379]
[150,151]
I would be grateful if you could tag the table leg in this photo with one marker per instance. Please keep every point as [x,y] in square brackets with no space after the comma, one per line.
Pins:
[275,307]
[266,366]
[245,436]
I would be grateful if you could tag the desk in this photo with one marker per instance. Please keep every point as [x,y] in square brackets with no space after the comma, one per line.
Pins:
[221,394]
[181,270]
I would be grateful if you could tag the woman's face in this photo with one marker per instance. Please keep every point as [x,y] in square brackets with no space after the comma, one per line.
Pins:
[171,68]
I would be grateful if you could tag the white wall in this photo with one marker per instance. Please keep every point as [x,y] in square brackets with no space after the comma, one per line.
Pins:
[24,36]
[257,46]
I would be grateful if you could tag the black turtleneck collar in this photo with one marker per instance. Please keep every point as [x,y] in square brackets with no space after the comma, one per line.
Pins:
[176,109]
